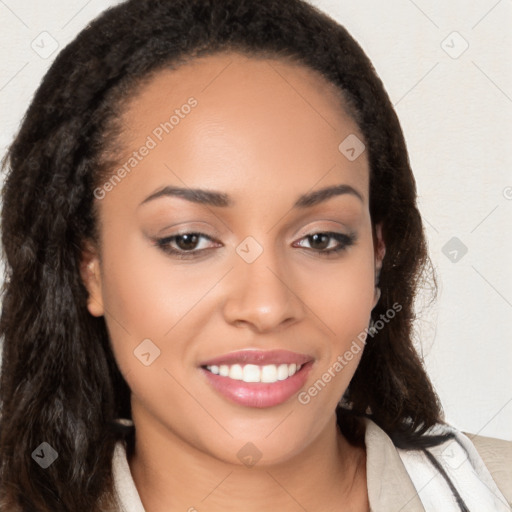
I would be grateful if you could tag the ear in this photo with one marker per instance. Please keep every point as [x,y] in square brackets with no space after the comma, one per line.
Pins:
[91,277]
[379,248]
[380,252]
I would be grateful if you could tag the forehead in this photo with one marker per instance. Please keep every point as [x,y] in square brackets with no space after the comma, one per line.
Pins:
[271,123]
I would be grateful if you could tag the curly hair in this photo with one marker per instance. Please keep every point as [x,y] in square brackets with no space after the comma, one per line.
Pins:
[60,383]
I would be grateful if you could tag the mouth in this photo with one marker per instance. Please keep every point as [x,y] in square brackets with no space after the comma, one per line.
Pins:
[258,378]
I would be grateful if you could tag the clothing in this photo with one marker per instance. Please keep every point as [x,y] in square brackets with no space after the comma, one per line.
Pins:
[405,480]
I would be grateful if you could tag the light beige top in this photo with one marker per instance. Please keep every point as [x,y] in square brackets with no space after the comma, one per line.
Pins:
[403,480]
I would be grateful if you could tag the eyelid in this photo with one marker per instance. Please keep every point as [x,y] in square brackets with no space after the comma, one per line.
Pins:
[184,228]
[306,231]
[326,226]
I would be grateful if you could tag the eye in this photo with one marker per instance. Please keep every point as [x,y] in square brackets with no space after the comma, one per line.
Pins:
[187,244]
[320,242]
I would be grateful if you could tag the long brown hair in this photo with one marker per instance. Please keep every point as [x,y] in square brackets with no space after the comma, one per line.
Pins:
[60,383]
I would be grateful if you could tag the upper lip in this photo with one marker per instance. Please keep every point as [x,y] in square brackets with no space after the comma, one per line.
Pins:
[259,357]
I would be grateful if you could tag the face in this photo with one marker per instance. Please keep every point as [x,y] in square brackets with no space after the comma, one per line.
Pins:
[214,299]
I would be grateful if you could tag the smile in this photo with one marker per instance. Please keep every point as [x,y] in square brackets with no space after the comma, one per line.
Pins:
[258,378]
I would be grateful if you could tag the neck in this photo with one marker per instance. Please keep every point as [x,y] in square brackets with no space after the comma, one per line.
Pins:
[171,475]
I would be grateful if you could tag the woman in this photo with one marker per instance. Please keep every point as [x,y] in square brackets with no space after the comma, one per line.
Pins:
[213,248]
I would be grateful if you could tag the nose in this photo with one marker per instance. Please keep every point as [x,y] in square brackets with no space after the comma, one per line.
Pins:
[264,294]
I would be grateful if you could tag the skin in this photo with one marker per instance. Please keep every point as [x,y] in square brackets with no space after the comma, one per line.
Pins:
[263,132]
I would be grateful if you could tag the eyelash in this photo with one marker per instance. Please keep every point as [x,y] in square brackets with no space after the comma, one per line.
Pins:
[344,241]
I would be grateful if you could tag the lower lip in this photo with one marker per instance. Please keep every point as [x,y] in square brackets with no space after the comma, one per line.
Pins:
[259,394]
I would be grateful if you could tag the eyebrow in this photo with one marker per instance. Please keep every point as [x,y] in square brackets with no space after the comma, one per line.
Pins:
[220,199]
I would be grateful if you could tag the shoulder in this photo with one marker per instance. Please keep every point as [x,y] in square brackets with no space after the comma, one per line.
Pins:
[445,470]
[477,468]
[497,457]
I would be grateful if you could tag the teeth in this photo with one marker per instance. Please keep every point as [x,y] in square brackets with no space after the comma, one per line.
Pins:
[282,372]
[236,372]
[253,373]
[269,373]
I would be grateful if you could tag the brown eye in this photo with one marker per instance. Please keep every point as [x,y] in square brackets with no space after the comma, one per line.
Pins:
[187,242]
[185,245]
[319,242]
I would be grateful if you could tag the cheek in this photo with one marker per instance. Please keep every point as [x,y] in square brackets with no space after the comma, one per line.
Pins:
[346,298]
[147,292]
[341,292]
[342,299]
[149,296]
